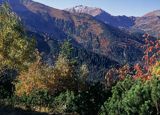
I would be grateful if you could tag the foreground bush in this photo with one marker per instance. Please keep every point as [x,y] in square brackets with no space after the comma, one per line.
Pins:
[88,102]
[134,97]
[63,103]
[140,93]
[38,100]
[42,101]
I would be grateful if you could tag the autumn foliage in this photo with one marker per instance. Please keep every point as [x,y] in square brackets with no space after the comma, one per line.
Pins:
[115,74]
[150,59]
[43,77]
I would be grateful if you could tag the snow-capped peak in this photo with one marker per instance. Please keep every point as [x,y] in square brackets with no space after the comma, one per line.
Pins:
[85,9]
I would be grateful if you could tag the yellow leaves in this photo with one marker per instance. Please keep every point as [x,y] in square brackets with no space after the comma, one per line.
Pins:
[155,69]
[84,71]
[29,80]
[41,76]
[63,66]
[16,49]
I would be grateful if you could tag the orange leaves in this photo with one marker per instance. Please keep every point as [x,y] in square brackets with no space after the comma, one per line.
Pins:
[139,72]
[150,58]
[149,49]
[42,76]
[146,69]
[116,74]
[30,80]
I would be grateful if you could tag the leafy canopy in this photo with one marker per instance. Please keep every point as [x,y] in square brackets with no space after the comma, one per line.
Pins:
[16,49]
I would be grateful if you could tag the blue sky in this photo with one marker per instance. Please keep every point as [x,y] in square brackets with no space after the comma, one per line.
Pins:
[114,7]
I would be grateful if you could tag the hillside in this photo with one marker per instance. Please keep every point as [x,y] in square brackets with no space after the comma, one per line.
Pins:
[83,29]
[149,23]
[98,64]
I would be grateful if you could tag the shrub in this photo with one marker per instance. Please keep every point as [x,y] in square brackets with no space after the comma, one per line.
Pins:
[38,100]
[88,102]
[134,97]
[64,102]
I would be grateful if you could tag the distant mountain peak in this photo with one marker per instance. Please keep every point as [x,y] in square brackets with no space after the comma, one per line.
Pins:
[154,13]
[85,9]
[103,16]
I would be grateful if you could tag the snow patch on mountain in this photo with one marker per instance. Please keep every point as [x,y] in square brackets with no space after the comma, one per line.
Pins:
[85,9]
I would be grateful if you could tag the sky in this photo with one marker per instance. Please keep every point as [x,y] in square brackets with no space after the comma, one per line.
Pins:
[114,7]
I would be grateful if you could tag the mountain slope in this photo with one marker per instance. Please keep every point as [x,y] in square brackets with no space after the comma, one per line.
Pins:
[97,64]
[99,14]
[149,23]
[84,30]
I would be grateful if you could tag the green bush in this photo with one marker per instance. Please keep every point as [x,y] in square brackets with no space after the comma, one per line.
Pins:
[64,102]
[4,93]
[134,97]
[37,99]
[88,102]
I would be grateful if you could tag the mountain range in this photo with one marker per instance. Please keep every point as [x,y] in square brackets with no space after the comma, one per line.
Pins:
[99,14]
[150,22]
[99,39]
